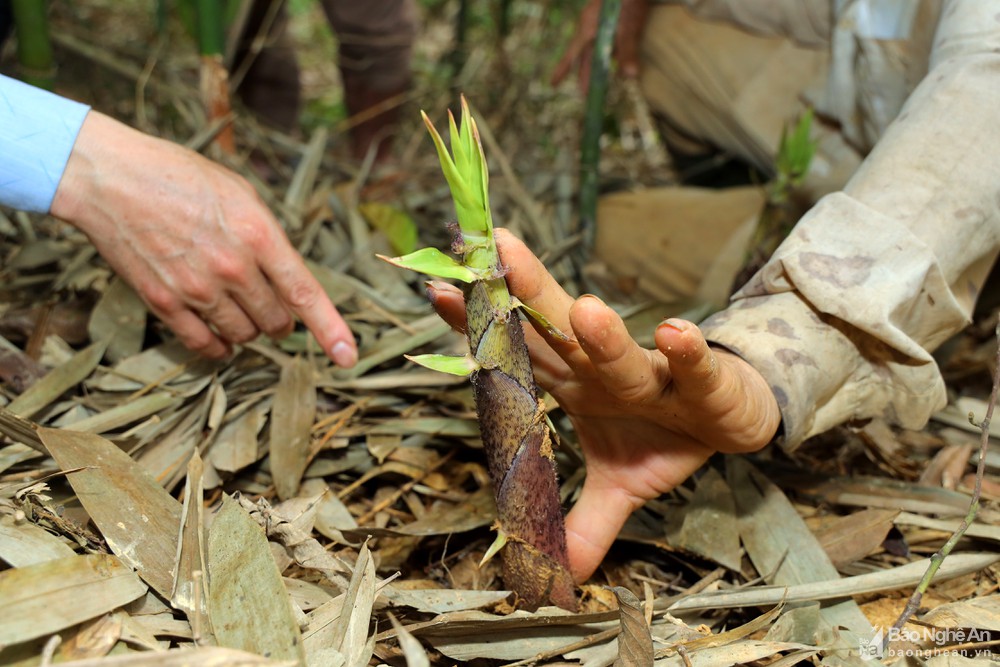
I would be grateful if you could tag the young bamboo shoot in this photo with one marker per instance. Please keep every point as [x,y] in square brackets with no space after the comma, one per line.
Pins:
[516,437]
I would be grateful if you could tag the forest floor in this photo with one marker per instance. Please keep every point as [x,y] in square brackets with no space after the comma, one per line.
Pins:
[152,467]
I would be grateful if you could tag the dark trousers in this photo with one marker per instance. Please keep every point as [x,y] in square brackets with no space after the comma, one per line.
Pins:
[375,39]
[6,21]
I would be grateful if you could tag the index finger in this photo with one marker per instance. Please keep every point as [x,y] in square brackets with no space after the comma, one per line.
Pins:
[297,286]
[529,280]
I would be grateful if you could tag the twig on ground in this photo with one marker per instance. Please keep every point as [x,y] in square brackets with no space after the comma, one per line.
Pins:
[938,558]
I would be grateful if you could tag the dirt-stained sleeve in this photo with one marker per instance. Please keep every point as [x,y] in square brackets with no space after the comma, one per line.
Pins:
[842,319]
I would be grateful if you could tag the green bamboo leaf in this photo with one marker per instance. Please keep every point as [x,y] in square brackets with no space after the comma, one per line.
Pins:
[397,226]
[446,363]
[433,262]
[542,321]
[44,392]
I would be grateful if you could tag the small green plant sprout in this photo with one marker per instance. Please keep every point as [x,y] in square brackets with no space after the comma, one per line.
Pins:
[795,154]
[531,534]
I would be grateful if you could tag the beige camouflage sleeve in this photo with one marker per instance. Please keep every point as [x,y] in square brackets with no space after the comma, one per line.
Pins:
[842,319]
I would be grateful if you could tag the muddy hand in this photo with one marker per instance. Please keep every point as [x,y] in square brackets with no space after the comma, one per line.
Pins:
[646,419]
[194,240]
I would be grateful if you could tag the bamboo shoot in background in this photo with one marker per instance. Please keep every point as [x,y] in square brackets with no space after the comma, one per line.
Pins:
[518,444]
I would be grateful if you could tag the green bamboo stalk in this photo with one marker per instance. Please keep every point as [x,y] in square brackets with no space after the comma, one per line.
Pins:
[593,120]
[34,48]
[460,51]
[211,27]
[214,84]
[516,437]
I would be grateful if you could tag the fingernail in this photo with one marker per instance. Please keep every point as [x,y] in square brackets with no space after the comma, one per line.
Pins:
[344,355]
[675,324]
[440,286]
[594,297]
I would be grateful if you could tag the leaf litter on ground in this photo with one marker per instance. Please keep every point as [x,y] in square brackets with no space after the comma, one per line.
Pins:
[339,516]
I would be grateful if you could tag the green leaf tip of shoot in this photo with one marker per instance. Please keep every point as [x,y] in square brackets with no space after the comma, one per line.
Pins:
[466,171]
[796,150]
[462,366]
[433,262]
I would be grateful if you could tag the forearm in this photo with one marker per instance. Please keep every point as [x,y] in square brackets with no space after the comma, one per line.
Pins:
[843,318]
[37,134]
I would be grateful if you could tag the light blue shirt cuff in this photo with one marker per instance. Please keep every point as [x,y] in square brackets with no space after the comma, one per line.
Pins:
[37,133]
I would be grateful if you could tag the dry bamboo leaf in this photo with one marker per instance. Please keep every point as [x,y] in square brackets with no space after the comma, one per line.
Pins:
[249,607]
[236,445]
[307,595]
[136,634]
[442,600]
[205,656]
[739,653]
[904,576]
[957,660]
[467,635]
[304,180]
[170,363]
[167,457]
[780,544]
[512,644]
[444,426]
[475,511]
[23,543]
[707,525]
[410,377]
[869,492]
[137,517]
[947,466]
[852,537]
[41,394]
[41,599]
[957,415]
[11,455]
[332,517]
[338,286]
[800,624]
[413,651]
[302,547]
[728,636]
[981,613]
[292,418]
[635,644]
[350,634]
[316,633]
[120,318]
[94,640]
[397,343]
[949,526]
[190,590]
[300,512]
[125,413]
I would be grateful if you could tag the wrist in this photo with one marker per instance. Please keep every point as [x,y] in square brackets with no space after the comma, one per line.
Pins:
[100,158]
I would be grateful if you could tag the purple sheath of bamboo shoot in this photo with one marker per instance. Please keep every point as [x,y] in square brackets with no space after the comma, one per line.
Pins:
[519,454]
